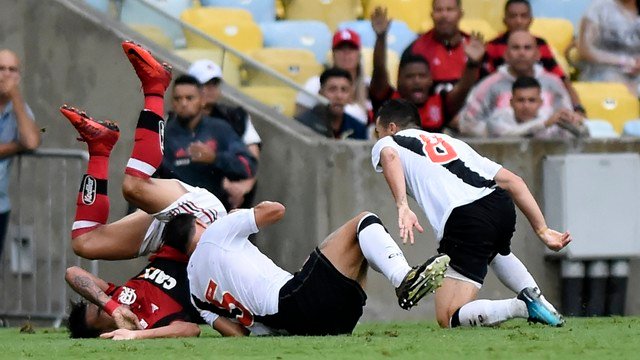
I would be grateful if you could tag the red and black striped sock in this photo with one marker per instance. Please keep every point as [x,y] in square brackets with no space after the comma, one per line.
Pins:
[92,203]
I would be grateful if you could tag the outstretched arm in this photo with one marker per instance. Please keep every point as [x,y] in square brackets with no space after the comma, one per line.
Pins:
[267,213]
[527,204]
[380,85]
[93,289]
[394,174]
[174,330]
[474,50]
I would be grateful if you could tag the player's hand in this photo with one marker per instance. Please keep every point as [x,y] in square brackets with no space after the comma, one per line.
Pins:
[407,220]
[379,20]
[554,240]
[120,334]
[125,318]
[474,48]
[202,153]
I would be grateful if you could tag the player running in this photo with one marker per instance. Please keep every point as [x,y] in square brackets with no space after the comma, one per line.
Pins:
[468,201]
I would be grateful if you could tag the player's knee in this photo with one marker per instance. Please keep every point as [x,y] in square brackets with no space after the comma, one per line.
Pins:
[80,248]
[132,188]
[443,320]
[366,219]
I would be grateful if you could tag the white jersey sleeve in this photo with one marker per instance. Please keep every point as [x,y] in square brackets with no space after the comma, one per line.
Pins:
[386,141]
[234,230]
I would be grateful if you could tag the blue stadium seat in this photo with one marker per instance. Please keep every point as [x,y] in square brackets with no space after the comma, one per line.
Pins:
[398,37]
[601,129]
[571,10]
[101,5]
[631,128]
[134,12]
[299,34]
[261,10]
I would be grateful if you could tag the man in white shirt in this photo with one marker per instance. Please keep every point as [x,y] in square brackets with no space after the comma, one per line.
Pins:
[229,277]
[468,201]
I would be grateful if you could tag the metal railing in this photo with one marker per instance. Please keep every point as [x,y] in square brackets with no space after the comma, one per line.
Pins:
[43,192]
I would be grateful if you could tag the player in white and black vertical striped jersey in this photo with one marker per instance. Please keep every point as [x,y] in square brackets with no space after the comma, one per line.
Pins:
[468,201]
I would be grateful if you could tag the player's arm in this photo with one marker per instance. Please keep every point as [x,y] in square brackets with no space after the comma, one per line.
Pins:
[267,213]
[474,50]
[394,175]
[527,204]
[176,329]
[227,327]
[93,289]
[380,84]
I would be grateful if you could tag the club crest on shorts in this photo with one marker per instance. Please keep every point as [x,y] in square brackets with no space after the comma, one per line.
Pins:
[161,133]
[127,296]
[89,186]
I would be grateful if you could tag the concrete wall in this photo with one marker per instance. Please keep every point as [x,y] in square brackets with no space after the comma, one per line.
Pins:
[76,58]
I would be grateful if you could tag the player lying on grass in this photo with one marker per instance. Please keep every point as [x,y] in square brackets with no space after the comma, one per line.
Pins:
[468,201]
[156,302]
[230,277]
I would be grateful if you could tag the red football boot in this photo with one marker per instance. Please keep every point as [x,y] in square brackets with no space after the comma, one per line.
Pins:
[100,135]
[155,77]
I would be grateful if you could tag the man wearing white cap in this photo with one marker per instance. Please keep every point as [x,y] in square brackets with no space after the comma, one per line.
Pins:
[209,74]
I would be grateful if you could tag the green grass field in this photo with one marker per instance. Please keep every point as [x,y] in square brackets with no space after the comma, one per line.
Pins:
[603,338]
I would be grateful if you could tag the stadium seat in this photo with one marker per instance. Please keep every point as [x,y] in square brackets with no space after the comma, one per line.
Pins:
[492,11]
[280,98]
[609,101]
[412,12]
[572,10]
[470,25]
[230,65]
[330,12]
[298,34]
[557,32]
[154,34]
[296,64]
[631,128]
[261,10]
[399,35]
[233,27]
[100,5]
[393,61]
[136,12]
[601,129]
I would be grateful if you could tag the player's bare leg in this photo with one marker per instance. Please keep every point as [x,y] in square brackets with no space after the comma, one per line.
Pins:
[451,296]
[343,251]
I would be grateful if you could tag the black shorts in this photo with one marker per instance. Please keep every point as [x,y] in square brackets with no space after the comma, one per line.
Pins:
[475,233]
[318,300]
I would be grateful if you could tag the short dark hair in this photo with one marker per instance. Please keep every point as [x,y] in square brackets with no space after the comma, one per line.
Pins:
[510,2]
[525,82]
[77,322]
[178,231]
[334,72]
[458,2]
[410,58]
[399,111]
[186,80]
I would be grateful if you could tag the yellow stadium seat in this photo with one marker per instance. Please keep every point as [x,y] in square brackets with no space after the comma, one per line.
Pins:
[230,64]
[492,11]
[331,12]
[470,25]
[153,33]
[280,98]
[608,101]
[557,32]
[393,61]
[412,12]
[233,27]
[296,64]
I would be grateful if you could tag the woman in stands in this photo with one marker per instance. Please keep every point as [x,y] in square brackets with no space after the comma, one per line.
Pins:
[609,42]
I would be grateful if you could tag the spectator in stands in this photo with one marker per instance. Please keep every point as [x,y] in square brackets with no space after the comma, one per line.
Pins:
[494,91]
[18,130]
[609,43]
[518,16]
[346,55]
[442,46]
[332,120]
[209,74]
[522,117]
[415,82]
[201,150]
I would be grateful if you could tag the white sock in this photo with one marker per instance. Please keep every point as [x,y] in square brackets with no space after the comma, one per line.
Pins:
[512,272]
[489,312]
[382,253]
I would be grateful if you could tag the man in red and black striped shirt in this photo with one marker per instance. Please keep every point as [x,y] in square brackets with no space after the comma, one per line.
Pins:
[518,16]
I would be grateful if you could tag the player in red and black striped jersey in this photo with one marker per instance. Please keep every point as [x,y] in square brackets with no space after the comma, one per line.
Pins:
[415,79]
[154,303]
[518,16]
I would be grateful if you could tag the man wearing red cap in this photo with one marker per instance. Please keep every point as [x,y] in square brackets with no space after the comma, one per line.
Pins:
[346,55]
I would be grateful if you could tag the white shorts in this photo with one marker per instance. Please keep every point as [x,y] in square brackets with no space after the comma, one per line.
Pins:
[197,201]
[451,273]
